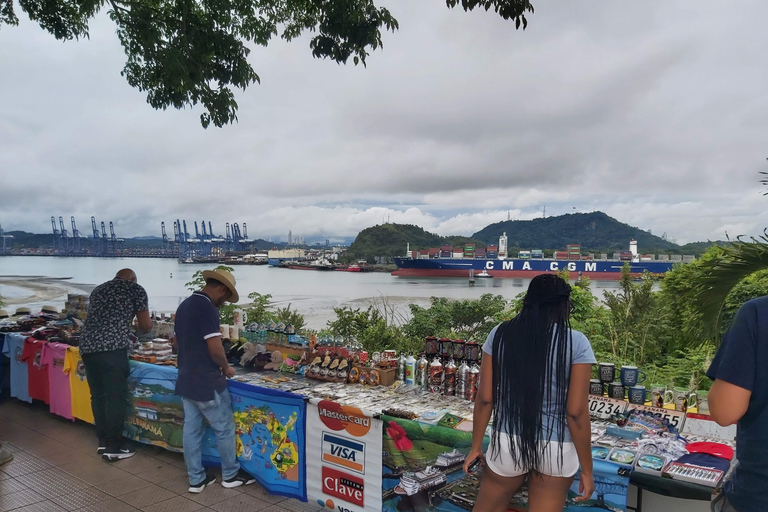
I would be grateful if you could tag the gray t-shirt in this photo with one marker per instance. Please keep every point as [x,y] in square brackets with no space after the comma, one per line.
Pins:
[580,352]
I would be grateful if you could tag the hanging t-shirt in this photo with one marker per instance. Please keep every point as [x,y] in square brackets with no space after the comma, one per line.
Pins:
[38,374]
[58,381]
[78,385]
[13,348]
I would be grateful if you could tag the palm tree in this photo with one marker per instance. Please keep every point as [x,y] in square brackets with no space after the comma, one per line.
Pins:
[721,274]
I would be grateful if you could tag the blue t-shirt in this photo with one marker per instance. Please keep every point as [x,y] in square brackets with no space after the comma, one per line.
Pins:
[742,360]
[197,320]
[14,346]
[580,352]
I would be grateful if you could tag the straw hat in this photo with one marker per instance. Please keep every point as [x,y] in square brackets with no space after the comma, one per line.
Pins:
[21,311]
[225,278]
[49,309]
[3,313]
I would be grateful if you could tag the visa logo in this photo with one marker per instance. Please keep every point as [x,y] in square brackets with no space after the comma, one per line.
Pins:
[346,453]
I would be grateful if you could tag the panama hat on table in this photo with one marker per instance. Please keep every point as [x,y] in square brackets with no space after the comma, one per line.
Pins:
[225,278]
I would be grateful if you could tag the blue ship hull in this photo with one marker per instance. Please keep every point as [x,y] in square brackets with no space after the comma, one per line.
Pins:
[458,267]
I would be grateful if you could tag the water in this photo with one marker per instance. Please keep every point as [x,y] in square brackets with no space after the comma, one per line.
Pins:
[314,294]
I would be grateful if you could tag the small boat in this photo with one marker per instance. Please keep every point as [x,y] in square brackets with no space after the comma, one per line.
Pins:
[349,268]
[483,274]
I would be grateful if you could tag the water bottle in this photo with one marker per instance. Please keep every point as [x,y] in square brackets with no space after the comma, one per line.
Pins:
[449,378]
[422,372]
[410,369]
[462,375]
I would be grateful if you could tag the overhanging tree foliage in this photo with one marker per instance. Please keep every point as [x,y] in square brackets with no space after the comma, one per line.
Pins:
[185,52]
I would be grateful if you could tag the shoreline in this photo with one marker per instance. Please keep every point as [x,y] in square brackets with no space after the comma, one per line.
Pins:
[42,289]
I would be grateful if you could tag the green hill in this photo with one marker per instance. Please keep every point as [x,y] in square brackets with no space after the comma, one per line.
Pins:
[595,231]
[392,240]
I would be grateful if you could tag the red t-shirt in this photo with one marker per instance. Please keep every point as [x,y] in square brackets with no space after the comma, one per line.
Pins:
[38,373]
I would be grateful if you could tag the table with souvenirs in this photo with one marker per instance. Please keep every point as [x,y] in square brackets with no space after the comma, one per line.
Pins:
[321,420]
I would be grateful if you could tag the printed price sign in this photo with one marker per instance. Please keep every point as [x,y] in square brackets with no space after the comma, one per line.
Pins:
[676,418]
[603,408]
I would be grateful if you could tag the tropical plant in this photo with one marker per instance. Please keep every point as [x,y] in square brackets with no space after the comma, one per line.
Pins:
[721,274]
[290,316]
[469,319]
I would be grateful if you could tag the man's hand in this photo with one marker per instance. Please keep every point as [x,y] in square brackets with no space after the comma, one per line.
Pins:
[229,372]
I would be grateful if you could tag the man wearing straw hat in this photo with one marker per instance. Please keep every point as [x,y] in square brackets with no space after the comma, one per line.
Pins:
[203,370]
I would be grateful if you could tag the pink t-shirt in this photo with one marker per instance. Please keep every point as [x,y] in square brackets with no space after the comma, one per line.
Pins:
[58,381]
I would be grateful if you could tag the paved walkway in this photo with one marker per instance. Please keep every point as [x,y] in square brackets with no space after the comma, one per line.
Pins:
[56,468]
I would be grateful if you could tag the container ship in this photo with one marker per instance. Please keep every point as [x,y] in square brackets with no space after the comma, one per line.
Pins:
[494,261]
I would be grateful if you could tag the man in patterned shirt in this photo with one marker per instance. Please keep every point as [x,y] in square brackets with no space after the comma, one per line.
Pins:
[104,348]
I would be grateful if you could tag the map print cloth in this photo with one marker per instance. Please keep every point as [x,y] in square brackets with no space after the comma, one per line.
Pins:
[270,428]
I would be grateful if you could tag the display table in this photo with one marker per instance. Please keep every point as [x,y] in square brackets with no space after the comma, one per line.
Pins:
[309,444]
[355,448]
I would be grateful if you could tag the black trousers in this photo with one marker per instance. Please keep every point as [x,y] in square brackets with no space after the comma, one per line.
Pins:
[107,374]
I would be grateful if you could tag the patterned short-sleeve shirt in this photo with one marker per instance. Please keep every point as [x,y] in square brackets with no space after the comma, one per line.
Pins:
[110,313]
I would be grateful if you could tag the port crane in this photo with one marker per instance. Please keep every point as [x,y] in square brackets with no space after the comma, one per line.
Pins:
[97,248]
[56,234]
[165,237]
[64,246]
[75,236]
[104,239]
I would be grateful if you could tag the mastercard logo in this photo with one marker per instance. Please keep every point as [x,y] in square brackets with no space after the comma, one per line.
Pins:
[342,417]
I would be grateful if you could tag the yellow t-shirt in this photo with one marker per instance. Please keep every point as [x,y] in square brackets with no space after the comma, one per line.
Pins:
[78,385]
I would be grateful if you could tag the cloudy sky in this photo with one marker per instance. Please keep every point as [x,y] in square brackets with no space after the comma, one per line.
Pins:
[653,112]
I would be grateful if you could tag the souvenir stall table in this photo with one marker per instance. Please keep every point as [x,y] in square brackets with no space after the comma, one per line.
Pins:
[352,447]
[325,445]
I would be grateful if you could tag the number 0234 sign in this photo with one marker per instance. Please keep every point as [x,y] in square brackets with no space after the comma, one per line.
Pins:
[601,407]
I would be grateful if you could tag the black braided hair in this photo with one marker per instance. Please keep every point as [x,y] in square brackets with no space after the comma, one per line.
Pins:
[523,349]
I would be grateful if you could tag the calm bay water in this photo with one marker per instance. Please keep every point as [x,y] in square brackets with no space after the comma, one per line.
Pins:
[313,293]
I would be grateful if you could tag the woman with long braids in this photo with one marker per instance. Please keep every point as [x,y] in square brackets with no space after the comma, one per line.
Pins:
[535,380]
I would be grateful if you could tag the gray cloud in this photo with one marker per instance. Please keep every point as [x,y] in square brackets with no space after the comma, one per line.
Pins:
[652,112]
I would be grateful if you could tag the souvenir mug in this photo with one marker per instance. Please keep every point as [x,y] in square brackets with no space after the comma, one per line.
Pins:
[637,394]
[595,387]
[630,376]
[239,318]
[607,372]
[683,399]
[702,401]
[658,392]
[616,390]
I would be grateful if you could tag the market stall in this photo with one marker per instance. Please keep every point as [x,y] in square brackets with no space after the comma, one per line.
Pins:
[326,422]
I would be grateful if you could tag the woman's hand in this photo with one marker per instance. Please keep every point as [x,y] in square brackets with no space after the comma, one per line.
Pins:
[586,487]
[471,457]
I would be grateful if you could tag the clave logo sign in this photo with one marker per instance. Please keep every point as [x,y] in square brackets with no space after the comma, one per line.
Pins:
[343,452]
[343,486]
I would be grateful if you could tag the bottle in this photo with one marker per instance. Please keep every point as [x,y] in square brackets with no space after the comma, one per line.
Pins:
[436,376]
[449,378]
[473,379]
[462,374]
[401,368]
[422,372]
[410,369]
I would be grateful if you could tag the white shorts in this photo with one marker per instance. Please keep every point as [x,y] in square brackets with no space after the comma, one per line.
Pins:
[503,465]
